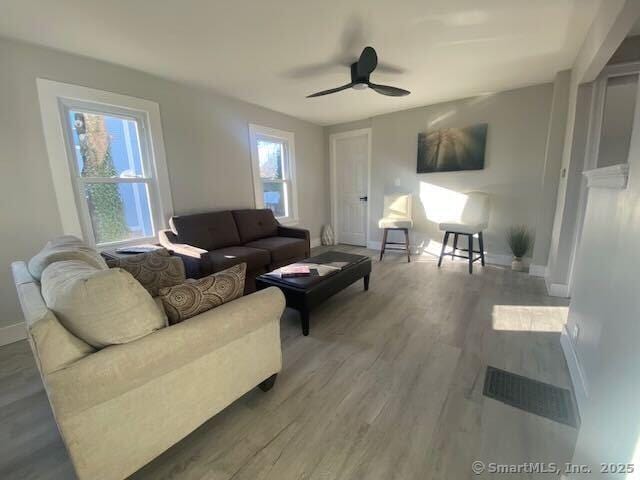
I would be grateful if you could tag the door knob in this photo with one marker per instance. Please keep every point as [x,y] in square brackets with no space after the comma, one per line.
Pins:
[364,199]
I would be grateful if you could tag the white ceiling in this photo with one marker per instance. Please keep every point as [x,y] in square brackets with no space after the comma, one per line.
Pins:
[275,52]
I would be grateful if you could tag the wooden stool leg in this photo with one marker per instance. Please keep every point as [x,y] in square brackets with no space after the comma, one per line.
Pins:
[444,245]
[481,242]
[470,253]
[455,245]
[406,243]
[384,242]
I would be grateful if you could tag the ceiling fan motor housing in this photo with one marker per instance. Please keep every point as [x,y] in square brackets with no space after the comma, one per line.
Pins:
[356,77]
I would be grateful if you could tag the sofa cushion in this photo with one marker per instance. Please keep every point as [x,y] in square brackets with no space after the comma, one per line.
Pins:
[66,247]
[154,270]
[197,296]
[227,257]
[281,248]
[254,224]
[210,230]
[102,307]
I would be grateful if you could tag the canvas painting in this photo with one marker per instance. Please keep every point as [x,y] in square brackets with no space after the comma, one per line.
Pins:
[452,149]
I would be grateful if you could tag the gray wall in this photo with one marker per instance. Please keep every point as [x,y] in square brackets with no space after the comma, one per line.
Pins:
[206,140]
[551,170]
[515,156]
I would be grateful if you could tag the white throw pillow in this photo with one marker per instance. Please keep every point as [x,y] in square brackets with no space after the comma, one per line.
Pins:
[102,307]
[63,248]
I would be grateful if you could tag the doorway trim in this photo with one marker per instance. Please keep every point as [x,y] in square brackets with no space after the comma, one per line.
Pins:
[592,149]
[333,181]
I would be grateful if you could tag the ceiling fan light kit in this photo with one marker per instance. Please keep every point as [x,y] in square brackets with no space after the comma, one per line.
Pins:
[360,73]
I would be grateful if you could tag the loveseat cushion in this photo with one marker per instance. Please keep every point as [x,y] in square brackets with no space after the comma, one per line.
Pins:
[66,247]
[101,307]
[210,230]
[227,257]
[281,248]
[197,296]
[254,224]
[154,270]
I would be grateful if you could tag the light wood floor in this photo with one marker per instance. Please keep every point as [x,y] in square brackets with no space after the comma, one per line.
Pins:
[387,386]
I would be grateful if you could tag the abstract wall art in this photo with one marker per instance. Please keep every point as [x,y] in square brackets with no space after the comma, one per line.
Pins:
[452,149]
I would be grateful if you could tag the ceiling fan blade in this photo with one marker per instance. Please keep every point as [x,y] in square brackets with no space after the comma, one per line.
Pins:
[331,90]
[367,62]
[389,91]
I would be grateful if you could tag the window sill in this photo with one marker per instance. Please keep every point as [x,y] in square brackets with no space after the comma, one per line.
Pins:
[288,222]
[615,177]
[139,242]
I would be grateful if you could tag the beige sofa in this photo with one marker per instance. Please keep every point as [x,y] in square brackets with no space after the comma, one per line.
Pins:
[120,407]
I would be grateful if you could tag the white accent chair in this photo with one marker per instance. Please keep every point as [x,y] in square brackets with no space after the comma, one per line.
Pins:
[473,219]
[396,216]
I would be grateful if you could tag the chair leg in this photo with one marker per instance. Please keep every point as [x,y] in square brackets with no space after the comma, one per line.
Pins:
[481,242]
[455,245]
[406,244]
[470,253]
[444,246]
[384,242]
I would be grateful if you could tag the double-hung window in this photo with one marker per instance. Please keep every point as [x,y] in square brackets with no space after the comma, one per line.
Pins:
[107,160]
[273,164]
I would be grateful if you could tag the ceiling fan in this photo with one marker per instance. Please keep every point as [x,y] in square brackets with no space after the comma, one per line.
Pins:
[360,72]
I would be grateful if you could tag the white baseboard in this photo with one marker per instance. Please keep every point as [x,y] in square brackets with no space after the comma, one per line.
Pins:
[12,333]
[495,259]
[498,259]
[575,371]
[315,242]
[538,270]
[558,290]
[371,245]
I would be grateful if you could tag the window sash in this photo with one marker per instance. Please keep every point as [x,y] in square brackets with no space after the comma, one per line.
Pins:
[286,175]
[147,180]
[287,141]
[286,191]
[79,182]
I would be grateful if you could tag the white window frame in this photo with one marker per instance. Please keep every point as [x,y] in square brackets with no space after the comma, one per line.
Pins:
[257,132]
[56,99]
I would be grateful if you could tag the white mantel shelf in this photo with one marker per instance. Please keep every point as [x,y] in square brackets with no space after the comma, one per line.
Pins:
[615,176]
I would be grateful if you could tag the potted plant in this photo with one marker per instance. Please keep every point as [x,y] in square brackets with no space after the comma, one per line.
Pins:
[520,241]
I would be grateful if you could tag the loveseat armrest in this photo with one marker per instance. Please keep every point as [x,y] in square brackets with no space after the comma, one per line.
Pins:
[118,369]
[297,233]
[191,256]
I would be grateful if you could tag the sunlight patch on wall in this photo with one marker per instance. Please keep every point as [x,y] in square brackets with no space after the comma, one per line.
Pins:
[442,204]
[442,117]
[529,318]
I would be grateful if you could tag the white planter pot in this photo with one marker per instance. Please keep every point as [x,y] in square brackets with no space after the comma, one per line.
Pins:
[327,236]
[517,265]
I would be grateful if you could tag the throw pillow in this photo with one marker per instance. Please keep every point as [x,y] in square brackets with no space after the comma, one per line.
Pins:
[154,270]
[196,296]
[101,307]
[62,248]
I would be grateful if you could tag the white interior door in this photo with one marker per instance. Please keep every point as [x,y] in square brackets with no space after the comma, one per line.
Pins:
[351,181]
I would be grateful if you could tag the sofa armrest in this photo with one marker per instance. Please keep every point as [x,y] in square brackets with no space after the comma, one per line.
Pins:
[296,233]
[191,256]
[117,369]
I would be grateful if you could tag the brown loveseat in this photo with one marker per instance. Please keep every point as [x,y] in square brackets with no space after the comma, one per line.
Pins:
[210,242]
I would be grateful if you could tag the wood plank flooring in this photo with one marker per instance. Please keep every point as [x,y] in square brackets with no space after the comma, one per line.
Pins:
[387,386]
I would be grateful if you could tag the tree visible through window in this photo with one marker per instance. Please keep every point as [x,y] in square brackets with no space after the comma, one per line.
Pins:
[273,164]
[111,177]
[274,185]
